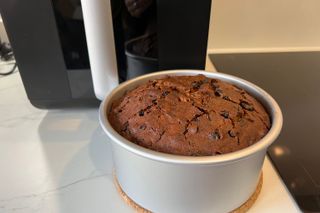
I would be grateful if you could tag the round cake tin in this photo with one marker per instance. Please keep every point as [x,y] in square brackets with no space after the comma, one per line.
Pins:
[163,182]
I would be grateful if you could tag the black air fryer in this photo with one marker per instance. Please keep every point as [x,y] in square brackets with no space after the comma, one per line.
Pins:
[50,40]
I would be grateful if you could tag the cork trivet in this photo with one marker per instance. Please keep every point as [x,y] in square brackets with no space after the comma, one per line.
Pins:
[127,199]
[247,205]
[139,209]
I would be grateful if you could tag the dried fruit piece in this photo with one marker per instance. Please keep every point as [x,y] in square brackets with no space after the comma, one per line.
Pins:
[218,92]
[226,98]
[165,93]
[213,84]
[215,135]
[154,101]
[247,106]
[196,84]
[141,113]
[143,127]
[154,82]
[232,133]
[224,114]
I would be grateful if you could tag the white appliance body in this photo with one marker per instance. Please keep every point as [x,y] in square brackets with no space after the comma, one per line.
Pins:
[98,24]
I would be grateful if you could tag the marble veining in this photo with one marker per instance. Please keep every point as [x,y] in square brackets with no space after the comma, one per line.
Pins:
[40,196]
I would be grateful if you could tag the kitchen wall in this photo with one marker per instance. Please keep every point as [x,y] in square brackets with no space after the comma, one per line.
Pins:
[3,34]
[264,26]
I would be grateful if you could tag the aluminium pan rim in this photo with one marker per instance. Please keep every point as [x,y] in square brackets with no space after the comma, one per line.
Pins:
[268,102]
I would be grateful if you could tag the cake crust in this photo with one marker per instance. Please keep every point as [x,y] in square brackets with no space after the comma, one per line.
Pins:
[189,115]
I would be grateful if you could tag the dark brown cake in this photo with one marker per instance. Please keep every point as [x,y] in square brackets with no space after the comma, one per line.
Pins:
[189,115]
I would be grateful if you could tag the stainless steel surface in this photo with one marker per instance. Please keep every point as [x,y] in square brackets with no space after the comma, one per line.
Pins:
[169,183]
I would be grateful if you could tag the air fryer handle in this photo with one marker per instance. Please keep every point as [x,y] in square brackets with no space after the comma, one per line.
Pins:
[101,47]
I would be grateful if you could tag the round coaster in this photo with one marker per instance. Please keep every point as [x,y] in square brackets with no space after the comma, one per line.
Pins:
[127,199]
[247,205]
[241,209]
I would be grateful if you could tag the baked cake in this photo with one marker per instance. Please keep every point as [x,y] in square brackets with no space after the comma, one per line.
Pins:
[189,115]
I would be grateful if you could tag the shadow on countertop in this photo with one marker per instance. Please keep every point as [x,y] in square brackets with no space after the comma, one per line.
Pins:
[68,125]
[79,159]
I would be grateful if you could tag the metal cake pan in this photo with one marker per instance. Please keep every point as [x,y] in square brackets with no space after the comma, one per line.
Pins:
[163,182]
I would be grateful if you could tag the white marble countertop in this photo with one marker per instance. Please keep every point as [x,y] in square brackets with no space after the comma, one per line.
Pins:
[60,161]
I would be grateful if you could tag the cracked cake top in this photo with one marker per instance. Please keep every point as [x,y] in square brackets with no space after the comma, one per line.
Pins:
[189,115]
